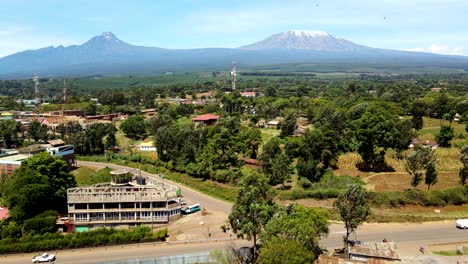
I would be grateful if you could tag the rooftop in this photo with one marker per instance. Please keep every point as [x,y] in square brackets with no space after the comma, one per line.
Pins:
[205,117]
[147,144]
[385,250]
[17,157]
[3,213]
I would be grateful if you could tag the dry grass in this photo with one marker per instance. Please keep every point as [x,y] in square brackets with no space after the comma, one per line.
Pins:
[448,164]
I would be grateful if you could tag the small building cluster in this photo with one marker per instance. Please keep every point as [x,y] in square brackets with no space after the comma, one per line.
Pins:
[11,159]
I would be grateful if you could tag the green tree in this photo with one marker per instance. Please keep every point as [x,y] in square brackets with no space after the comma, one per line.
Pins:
[159,121]
[279,250]
[431,175]
[253,208]
[289,124]
[111,141]
[376,130]
[133,127]
[463,173]
[37,131]
[417,161]
[298,224]
[39,184]
[275,162]
[90,109]
[9,130]
[445,135]
[418,110]
[353,208]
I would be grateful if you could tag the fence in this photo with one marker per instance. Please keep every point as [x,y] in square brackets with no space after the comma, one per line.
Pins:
[195,258]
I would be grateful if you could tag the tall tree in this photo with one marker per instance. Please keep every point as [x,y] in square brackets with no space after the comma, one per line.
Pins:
[279,250]
[445,135]
[253,208]
[134,127]
[463,173]
[304,226]
[289,124]
[418,110]
[9,130]
[417,161]
[376,130]
[431,175]
[353,208]
[39,184]
[37,131]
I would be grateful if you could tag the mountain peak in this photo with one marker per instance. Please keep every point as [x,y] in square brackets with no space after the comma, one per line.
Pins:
[308,33]
[304,40]
[108,35]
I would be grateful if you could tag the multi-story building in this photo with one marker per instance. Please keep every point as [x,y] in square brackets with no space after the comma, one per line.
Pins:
[142,200]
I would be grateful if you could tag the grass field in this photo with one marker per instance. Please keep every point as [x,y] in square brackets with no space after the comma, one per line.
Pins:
[82,174]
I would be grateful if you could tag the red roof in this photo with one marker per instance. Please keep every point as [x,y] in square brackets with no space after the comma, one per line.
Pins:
[3,213]
[249,93]
[205,117]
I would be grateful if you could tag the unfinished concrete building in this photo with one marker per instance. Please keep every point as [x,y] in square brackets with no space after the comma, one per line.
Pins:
[127,201]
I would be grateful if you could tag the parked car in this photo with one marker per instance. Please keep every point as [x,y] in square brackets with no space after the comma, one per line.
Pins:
[46,257]
[462,223]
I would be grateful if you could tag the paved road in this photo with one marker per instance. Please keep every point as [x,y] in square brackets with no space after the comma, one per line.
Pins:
[408,236]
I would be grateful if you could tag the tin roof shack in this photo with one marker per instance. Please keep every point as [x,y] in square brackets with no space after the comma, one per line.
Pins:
[363,251]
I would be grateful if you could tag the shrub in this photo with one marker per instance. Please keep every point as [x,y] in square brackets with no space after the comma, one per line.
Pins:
[99,237]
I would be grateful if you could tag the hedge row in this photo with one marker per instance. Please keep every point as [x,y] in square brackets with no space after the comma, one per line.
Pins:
[99,237]
[451,196]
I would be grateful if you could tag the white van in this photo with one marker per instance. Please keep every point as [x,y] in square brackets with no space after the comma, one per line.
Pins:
[462,223]
[192,208]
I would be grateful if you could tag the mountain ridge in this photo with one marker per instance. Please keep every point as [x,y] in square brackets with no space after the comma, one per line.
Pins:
[107,54]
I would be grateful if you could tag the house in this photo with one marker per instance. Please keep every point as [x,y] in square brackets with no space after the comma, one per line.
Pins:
[426,143]
[248,94]
[207,119]
[274,124]
[65,152]
[363,251]
[147,146]
[436,89]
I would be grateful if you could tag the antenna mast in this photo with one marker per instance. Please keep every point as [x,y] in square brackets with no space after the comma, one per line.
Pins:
[64,91]
[36,89]
[233,75]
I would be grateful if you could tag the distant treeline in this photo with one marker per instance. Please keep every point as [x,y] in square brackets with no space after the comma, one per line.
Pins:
[276,74]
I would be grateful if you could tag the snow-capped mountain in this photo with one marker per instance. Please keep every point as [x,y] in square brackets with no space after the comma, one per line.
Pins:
[106,54]
[306,40]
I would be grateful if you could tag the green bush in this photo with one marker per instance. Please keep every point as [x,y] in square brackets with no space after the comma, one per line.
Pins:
[41,223]
[99,237]
[451,196]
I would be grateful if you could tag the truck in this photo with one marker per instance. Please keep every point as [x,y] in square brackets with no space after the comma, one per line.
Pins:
[46,257]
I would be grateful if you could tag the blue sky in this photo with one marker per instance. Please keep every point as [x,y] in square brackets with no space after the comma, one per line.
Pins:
[439,26]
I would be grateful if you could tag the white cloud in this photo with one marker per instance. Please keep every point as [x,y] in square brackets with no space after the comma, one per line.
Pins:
[440,49]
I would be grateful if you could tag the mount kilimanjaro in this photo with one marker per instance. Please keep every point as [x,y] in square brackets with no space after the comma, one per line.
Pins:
[106,54]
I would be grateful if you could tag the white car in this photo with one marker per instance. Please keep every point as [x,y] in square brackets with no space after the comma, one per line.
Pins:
[43,258]
[462,223]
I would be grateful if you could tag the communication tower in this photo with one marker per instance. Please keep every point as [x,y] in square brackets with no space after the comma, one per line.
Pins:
[36,89]
[65,91]
[233,76]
